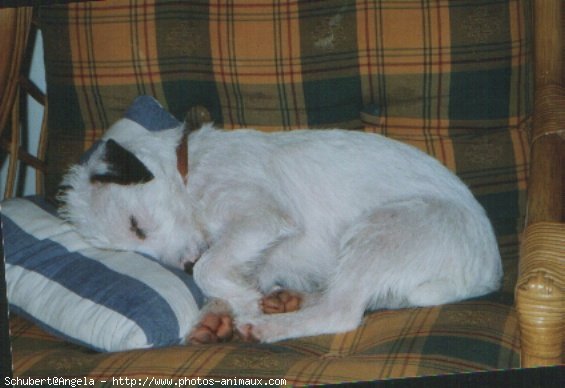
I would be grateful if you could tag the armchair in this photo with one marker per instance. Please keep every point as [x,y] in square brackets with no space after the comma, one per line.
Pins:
[522,326]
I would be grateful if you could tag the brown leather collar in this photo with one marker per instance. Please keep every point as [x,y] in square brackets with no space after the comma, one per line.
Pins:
[182,157]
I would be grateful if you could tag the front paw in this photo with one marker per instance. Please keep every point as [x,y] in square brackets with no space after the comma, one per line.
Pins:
[212,328]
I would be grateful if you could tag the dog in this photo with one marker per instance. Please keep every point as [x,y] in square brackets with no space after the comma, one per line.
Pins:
[288,234]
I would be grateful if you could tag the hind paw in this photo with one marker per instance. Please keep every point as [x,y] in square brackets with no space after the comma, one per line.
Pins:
[281,301]
[212,328]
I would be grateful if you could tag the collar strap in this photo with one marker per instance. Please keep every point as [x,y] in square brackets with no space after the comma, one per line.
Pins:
[182,157]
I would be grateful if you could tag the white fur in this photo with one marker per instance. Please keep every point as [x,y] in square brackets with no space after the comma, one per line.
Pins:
[354,220]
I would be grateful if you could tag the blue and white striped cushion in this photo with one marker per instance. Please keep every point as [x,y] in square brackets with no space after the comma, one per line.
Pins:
[106,300]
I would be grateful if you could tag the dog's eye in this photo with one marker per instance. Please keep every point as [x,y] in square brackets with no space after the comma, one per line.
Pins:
[134,227]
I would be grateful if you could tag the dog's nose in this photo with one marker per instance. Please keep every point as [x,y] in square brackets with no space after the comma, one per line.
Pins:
[188,266]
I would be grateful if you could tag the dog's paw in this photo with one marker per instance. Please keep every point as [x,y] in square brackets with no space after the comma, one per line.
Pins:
[246,333]
[212,328]
[264,329]
[281,301]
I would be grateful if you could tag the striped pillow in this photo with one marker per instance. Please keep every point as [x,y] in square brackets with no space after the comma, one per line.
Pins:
[106,300]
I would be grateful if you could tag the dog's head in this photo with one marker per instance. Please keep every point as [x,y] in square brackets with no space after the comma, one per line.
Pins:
[127,194]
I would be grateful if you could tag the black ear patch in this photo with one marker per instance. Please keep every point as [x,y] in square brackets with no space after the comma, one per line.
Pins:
[124,168]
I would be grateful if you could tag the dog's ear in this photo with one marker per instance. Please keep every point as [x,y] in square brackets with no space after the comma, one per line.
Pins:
[124,168]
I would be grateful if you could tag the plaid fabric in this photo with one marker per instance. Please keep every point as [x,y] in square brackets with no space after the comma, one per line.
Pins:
[284,64]
[468,336]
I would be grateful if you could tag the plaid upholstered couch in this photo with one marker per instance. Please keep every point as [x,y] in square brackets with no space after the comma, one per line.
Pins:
[453,78]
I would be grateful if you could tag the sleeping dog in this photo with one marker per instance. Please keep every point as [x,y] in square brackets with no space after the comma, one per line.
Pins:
[288,234]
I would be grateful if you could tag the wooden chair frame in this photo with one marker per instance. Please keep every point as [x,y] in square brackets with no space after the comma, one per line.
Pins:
[15,27]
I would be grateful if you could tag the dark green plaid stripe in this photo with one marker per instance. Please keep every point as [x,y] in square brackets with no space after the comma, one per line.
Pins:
[330,67]
[184,58]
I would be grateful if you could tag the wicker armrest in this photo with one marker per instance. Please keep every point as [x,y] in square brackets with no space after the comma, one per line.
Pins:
[540,290]
[540,294]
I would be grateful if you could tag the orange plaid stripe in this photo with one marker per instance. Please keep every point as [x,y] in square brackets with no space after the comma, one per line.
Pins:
[387,46]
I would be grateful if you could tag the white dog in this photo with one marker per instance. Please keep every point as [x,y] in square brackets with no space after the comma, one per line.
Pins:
[322,224]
